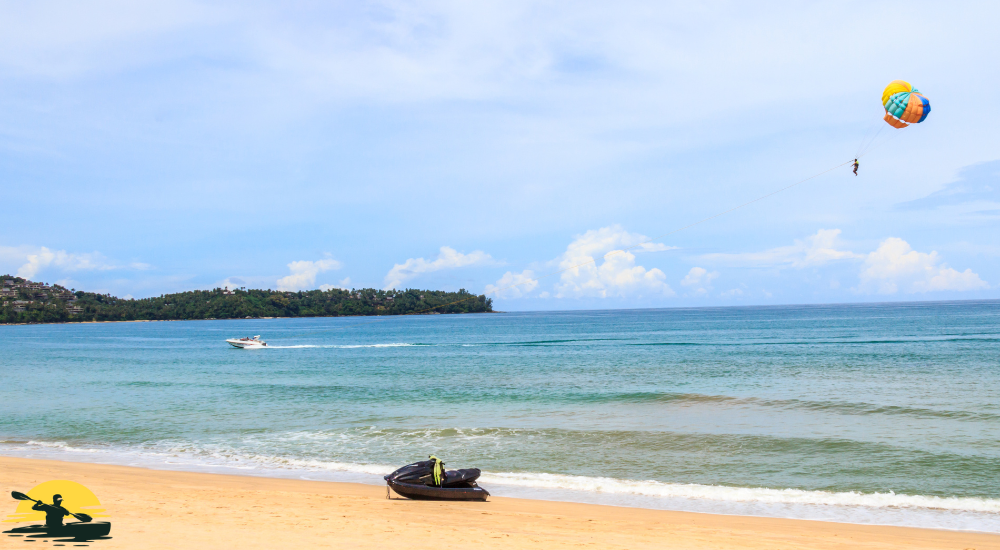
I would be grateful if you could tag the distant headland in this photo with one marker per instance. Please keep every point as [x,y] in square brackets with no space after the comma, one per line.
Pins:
[25,301]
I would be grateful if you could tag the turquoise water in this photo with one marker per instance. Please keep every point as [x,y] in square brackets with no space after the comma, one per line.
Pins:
[865,413]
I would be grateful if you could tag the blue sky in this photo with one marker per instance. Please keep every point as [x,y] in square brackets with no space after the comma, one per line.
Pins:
[167,146]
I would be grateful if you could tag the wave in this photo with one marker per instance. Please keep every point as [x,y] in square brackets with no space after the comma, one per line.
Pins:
[564,341]
[820,342]
[465,344]
[202,457]
[61,445]
[679,399]
[625,341]
[842,407]
[741,494]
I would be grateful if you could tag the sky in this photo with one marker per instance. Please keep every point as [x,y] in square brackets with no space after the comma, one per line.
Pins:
[533,150]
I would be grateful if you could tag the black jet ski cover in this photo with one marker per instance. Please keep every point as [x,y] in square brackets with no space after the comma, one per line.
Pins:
[422,473]
[412,473]
[456,477]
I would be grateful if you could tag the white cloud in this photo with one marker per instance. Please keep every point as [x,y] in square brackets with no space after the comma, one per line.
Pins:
[652,247]
[614,237]
[74,40]
[513,285]
[304,273]
[731,293]
[435,50]
[895,266]
[61,259]
[699,276]
[617,275]
[231,283]
[66,283]
[813,251]
[34,260]
[343,284]
[448,258]
[699,279]
[248,281]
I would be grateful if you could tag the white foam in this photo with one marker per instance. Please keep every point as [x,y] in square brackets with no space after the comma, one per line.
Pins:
[345,346]
[955,513]
[61,445]
[741,494]
[396,345]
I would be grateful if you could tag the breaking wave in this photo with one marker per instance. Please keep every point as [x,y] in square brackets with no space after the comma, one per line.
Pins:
[886,508]
[741,494]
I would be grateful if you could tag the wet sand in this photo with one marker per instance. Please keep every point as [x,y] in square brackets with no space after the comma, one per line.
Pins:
[153,509]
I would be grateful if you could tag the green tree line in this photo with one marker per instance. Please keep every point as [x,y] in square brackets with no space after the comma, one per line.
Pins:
[238,304]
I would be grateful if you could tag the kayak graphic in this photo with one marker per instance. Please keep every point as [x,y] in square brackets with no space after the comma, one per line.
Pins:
[49,504]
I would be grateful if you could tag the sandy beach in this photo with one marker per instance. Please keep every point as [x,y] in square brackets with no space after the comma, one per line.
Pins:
[152,509]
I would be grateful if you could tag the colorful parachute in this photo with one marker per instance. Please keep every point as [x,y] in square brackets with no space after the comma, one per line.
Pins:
[904,105]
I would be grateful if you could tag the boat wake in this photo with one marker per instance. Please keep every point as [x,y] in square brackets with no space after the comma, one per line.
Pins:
[344,346]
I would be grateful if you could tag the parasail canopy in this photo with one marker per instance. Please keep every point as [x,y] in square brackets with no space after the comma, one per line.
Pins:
[904,104]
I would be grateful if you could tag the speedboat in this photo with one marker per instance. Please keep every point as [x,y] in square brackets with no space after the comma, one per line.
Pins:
[248,342]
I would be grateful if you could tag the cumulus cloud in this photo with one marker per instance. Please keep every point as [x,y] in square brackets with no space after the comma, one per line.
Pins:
[813,251]
[33,260]
[343,284]
[448,258]
[606,239]
[247,281]
[513,285]
[617,275]
[699,280]
[303,273]
[895,266]
[66,283]
[60,258]
[232,282]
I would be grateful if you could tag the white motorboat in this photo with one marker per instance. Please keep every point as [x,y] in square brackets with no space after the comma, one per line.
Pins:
[248,342]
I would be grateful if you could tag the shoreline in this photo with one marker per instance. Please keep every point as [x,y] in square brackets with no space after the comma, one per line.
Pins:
[171,509]
[239,319]
[172,320]
[874,509]
[678,307]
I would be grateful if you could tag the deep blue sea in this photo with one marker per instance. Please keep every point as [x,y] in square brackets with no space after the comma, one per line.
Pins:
[886,413]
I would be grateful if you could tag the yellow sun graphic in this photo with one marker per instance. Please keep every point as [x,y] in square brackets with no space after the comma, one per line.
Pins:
[76,498]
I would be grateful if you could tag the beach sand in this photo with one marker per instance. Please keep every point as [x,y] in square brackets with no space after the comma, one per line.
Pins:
[164,509]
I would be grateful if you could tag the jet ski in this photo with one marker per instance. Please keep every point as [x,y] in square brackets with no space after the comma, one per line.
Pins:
[418,481]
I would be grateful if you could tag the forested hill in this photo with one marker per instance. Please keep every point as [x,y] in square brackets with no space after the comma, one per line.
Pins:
[25,301]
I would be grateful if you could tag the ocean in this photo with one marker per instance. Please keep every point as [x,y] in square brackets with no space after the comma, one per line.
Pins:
[869,413]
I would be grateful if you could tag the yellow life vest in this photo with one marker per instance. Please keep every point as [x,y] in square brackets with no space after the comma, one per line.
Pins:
[438,470]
